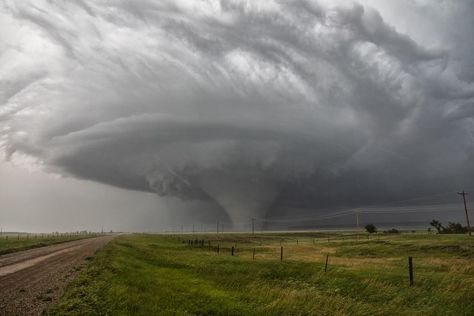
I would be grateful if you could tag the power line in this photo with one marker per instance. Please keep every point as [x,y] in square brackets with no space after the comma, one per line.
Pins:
[411,199]
[368,209]
[425,209]
[369,206]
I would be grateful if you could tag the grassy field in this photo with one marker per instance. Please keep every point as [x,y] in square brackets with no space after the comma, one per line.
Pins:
[164,275]
[16,242]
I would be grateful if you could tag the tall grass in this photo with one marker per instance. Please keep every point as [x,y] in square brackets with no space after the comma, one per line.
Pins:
[163,275]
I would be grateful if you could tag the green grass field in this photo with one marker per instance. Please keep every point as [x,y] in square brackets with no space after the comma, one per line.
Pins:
[163,275]
[17,242]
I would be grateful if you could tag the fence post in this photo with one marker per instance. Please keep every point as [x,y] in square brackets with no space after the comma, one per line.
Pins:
[281,253]
[326,265]
[232,250]
[253,257]
[410,269]
[217,248]
[296,241]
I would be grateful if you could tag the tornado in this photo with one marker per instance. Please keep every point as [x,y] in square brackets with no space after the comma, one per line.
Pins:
[243,194]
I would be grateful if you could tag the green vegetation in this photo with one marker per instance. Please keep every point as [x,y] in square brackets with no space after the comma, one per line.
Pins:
[367,275]
[370,228]
[17,242]
[452,228]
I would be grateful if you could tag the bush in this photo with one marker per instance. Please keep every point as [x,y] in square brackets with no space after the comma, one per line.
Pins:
[452,228]
[455,228]
[370,228]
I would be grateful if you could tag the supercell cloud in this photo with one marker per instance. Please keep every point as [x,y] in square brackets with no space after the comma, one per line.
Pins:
[249,104]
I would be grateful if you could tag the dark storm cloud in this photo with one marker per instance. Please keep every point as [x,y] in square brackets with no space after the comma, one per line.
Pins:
[245,103]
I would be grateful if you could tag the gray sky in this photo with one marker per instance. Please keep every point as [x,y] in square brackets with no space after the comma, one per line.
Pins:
[146,114]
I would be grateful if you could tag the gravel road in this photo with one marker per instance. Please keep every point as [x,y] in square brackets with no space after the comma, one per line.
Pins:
[33,279]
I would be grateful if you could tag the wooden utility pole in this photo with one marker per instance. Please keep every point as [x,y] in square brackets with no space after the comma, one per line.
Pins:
[410,270]
[357,222]
[465,210]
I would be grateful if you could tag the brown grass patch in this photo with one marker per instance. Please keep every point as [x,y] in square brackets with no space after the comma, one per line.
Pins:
[454,265]
[314,253]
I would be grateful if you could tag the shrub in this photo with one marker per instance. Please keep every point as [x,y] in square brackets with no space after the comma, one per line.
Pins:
[370,228]
[452,228]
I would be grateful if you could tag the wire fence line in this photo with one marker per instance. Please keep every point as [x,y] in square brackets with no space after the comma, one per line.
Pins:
[305,249]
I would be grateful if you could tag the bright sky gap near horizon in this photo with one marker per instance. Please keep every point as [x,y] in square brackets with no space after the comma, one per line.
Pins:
[149,115]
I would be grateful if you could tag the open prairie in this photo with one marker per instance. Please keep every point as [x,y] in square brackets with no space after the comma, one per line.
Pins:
[13,242]
[198,275]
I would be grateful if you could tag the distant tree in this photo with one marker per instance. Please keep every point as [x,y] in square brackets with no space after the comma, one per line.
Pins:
[452,228]
[439,227]
[455,228]
[370,228]
[429,230]
[392,231]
